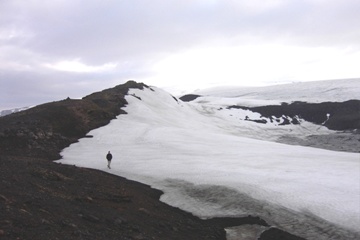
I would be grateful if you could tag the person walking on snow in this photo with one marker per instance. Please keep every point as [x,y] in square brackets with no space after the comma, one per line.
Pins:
[109,157]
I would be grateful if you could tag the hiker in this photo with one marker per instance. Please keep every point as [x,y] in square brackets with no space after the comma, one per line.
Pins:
[109,157]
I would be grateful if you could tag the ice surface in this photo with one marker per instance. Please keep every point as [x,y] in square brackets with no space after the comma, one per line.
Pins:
[207,161]
[312,92]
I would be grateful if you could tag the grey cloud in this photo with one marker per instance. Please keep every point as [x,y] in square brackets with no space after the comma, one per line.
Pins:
[109,30]
[135,34]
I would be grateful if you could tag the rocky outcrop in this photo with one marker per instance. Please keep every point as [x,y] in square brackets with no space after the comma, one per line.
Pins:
[189,97]
[333,115]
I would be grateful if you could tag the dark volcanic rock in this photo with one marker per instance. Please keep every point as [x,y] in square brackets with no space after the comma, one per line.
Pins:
[277,234]
[333,115]
[189,97]
[40,199]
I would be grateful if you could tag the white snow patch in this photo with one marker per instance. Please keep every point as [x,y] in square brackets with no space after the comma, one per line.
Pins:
[205,162]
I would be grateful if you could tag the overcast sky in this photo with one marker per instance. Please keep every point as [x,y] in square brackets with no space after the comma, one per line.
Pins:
[50,50]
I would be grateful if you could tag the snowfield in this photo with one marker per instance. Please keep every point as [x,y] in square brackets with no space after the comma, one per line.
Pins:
[211,162]
[312,92]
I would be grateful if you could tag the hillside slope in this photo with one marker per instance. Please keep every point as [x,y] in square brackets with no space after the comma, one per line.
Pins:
[214,163]
[43,200]
[44,130]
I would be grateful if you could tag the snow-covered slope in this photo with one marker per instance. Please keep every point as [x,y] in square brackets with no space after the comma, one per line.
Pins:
[314,92]
[209,164]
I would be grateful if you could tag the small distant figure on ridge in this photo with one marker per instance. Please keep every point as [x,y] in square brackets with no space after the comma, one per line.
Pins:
[109,157]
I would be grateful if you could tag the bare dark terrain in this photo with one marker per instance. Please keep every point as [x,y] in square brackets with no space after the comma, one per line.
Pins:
[40,199]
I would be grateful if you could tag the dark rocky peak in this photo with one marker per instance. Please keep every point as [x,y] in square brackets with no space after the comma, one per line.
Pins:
[115,93]
[46,129]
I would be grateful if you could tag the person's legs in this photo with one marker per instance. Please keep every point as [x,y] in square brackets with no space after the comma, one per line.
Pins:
[109,164]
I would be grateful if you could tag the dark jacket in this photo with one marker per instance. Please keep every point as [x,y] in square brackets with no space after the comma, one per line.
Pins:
[109,156]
